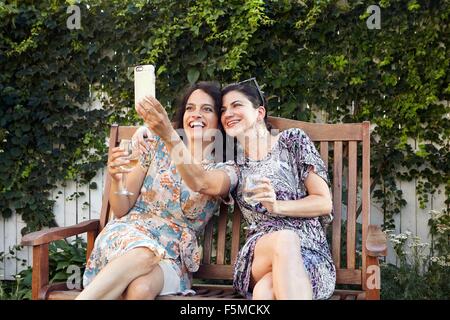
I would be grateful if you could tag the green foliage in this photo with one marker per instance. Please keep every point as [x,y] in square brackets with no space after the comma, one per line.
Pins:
[20,288]
[420,275]
[47,75]
[62,254]
[15,290]
[310,57]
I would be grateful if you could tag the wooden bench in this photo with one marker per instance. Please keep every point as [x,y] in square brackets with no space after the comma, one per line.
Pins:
[341,143]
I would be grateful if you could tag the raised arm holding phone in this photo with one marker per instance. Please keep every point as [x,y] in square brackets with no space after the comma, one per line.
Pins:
[151,248]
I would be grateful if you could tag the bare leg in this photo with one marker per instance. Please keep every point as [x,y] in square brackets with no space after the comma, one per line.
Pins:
[279,253]
[115,277]
[263,289]
[146,287]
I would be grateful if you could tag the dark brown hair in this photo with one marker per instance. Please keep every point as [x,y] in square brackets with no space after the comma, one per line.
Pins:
[210,88]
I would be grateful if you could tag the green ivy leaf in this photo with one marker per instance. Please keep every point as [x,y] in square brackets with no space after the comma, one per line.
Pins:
[193,75]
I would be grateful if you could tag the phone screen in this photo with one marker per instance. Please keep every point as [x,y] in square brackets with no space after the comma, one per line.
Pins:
[144,82]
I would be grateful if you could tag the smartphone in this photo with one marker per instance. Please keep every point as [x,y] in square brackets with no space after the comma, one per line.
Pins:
[144,82]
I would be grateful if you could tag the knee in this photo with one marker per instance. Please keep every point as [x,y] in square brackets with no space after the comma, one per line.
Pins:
[139,290]
[143,258]
[287,244]
[263,289]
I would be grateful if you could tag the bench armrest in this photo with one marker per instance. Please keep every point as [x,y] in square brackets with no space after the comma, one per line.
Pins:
[58,233]
[376,244]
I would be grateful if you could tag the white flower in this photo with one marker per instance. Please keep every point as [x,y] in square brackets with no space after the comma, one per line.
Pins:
[402,236]
[442,263]
[436,214]
[442,228]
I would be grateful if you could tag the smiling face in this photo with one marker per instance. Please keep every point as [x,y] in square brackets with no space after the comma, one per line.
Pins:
[238,115]
[199,115]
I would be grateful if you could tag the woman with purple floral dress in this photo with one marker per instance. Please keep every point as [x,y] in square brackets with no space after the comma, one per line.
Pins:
[287,166]
[286,255]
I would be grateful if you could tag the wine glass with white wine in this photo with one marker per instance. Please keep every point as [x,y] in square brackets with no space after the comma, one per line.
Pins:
[132,155]
[250,183]
[270,170]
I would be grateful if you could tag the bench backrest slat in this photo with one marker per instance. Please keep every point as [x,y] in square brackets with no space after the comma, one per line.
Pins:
[337,201]
[351,203]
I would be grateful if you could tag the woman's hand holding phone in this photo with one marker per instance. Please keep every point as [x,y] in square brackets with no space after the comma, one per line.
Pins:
[155,117]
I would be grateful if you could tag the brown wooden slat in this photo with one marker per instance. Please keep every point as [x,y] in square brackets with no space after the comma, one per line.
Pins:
[113,142]
[337,203]
[213,293]
[324,152]
[58,233]
[236,228]
[207,292]
[351,204]
[226,292]
[376,243]
[361,296]
[372,277]
[91,235]
[230,295]
[207,242]
[218,271]
[195,297]
[348,276]
[201,286]
[365,195]
[59,291]
[321,131]
[63,295]
[40,271]
[343,294]
[126,132]
[221,235]
[201,291]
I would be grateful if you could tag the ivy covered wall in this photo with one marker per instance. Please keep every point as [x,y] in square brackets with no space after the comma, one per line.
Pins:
[308,55]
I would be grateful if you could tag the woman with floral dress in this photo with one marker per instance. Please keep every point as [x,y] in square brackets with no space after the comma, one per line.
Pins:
[150,247]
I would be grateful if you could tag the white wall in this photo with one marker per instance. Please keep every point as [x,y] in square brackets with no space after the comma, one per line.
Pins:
[67,212]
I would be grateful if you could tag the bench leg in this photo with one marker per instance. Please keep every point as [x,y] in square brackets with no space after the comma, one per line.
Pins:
[373,278]
[40,271]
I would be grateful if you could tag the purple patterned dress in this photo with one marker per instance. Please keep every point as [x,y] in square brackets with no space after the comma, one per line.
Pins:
[287,165]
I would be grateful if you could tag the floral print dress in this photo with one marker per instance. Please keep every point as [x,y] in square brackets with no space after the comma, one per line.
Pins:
[167,218]
[287,165]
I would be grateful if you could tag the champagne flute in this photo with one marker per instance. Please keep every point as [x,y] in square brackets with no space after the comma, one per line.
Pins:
[132,155]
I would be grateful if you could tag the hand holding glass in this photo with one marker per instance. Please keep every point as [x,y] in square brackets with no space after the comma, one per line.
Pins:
[132,155]
[250,183]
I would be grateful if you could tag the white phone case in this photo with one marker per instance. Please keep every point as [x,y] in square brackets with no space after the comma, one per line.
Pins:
[144,82]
